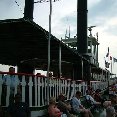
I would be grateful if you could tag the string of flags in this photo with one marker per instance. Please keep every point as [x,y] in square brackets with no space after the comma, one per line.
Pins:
[107,62]
[41,1]
[108,59]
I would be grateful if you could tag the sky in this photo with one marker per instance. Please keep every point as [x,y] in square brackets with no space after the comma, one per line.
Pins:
[101,13]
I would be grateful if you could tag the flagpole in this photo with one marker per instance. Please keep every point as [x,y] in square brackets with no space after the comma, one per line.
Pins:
[111,68]
[48,69]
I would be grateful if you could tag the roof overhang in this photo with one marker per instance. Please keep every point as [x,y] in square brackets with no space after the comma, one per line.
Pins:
[22,40]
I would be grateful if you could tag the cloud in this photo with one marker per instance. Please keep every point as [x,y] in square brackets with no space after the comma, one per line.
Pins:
[104,8]
[101,13]
[64,23]
[111,26]
[92,3]
[10,10]
[63,16]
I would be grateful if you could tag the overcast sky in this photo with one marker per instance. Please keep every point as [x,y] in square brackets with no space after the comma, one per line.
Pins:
[101,13]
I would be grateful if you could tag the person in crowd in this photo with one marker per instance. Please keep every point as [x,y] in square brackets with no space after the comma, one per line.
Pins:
[90,98]
[78,107]
[98,96]
[116,86]
[1,111]
[110,106]
[13,81]
[113,99]
[18,108]
[64,106]
[110,111]
[91,102]
[53,111]
[112,89]
[92,92]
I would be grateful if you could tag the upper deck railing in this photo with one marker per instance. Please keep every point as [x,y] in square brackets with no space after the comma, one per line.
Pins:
[34,88]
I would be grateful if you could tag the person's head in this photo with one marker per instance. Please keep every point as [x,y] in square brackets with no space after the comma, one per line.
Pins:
[78,94]
[88,92]
[12,70]
[106,104]
[90,88]
[52,100]
[62,97]
[98,91]
[113,98]
[17,98]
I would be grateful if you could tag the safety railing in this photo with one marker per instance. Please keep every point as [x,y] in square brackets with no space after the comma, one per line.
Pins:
[33,88]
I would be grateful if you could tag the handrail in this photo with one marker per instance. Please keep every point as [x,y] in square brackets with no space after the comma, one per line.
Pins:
[34,88]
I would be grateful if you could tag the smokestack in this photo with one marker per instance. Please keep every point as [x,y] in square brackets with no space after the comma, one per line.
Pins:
[28,10]
[82,26]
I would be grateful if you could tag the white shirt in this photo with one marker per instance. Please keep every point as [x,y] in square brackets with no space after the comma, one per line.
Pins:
[12,81]
[89,97]
[76,104]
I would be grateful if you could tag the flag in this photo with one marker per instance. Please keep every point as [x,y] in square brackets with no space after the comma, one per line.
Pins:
[107,64]
[107,53]
[110,57]
[114,60]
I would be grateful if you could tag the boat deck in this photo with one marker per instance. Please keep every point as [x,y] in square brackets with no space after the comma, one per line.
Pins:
[99,114]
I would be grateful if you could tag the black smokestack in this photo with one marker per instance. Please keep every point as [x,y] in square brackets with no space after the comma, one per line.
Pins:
[82,26]
[28,10]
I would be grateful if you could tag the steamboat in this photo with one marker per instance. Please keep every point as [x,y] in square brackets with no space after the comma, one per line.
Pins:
[73,62]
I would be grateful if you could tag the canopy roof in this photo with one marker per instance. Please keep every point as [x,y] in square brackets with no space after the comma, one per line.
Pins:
[23,40]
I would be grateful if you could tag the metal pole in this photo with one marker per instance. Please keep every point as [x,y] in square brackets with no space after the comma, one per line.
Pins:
[108,80]
[111,69]
[97,47]
[60,67]
[49,51]
[60,60]
[82,69]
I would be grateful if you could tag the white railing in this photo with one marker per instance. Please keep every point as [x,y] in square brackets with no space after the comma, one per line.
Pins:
[99,85]
[34,88]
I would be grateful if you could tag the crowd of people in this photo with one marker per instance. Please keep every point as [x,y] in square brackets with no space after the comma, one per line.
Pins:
[64,108]
[60,107]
